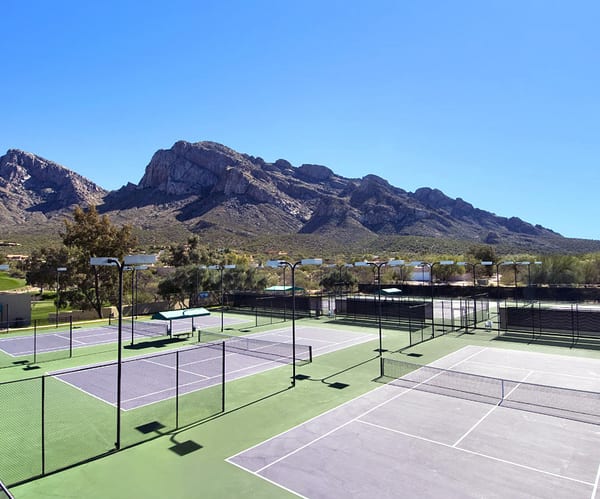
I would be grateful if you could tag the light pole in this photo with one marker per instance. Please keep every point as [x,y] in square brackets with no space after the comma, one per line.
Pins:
[133,269]
[528,264]
[220,268]
[472,265]
[58,271]
[4,268]
[292,266]
[377,266]
[115,262]
[498,265]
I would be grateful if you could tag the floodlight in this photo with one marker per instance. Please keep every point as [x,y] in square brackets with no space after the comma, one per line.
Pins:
[139,259]
[395,263]
[104,260]
[311,261]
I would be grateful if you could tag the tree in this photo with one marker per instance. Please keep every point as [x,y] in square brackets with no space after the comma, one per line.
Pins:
[483,253]
[339,279]
[89,235]
[185,283]
[41,267]
[559,269]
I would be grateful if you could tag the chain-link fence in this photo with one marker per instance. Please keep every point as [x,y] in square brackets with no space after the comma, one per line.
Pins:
[57,420]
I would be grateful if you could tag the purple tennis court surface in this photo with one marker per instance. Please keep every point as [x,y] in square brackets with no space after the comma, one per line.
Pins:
[402,442]
[17,346]
[150,379]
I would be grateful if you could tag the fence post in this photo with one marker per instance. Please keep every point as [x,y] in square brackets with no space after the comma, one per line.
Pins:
[35,341]
[223,377]
[43,401]
[177,390]
[70,336]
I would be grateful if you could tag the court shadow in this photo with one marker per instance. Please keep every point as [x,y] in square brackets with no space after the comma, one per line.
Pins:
[154,343]
[180,448]
[184,448]
[338,384]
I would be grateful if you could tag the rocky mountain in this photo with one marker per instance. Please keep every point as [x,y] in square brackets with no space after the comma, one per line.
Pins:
[210,189]
[211,186]
[33,188]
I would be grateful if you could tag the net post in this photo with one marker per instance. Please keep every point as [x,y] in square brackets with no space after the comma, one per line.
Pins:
[381,367]
[310,357]
[502,389]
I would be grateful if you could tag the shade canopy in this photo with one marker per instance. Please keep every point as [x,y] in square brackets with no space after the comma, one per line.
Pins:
[185,313]
[282,289]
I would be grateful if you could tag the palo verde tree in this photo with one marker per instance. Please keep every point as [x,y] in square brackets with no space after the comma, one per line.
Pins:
[89,235]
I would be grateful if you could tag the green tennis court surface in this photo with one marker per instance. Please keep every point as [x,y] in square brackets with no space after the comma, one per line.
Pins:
[409,441]
[331,393]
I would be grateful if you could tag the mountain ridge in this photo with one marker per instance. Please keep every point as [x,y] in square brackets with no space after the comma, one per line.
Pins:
[208,188]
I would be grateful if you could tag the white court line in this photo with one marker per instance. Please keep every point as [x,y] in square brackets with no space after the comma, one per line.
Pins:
[60,335]
[593,496]
[565,375]
[474,453]
[381,404]
[174,368]
[84,391]
[359,340]
[490,411]
[218,376]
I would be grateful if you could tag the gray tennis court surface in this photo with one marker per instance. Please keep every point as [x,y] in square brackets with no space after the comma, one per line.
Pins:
[404,442]
[323,340]
[149,379]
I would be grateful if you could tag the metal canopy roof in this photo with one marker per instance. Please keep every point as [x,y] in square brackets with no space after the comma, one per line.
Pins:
[282,288]
[185,313]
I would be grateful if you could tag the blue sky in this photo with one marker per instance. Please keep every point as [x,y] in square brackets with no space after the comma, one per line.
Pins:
[495,102]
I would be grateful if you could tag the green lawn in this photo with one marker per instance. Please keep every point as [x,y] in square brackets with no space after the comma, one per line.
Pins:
[7,283]
[41,309]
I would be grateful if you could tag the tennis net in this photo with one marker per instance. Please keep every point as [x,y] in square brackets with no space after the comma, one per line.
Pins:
[258,347]
[567,403]
[145,327]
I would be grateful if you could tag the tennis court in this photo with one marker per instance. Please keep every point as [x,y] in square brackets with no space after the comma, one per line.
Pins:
[18,346]
[409,438]
[149,379]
